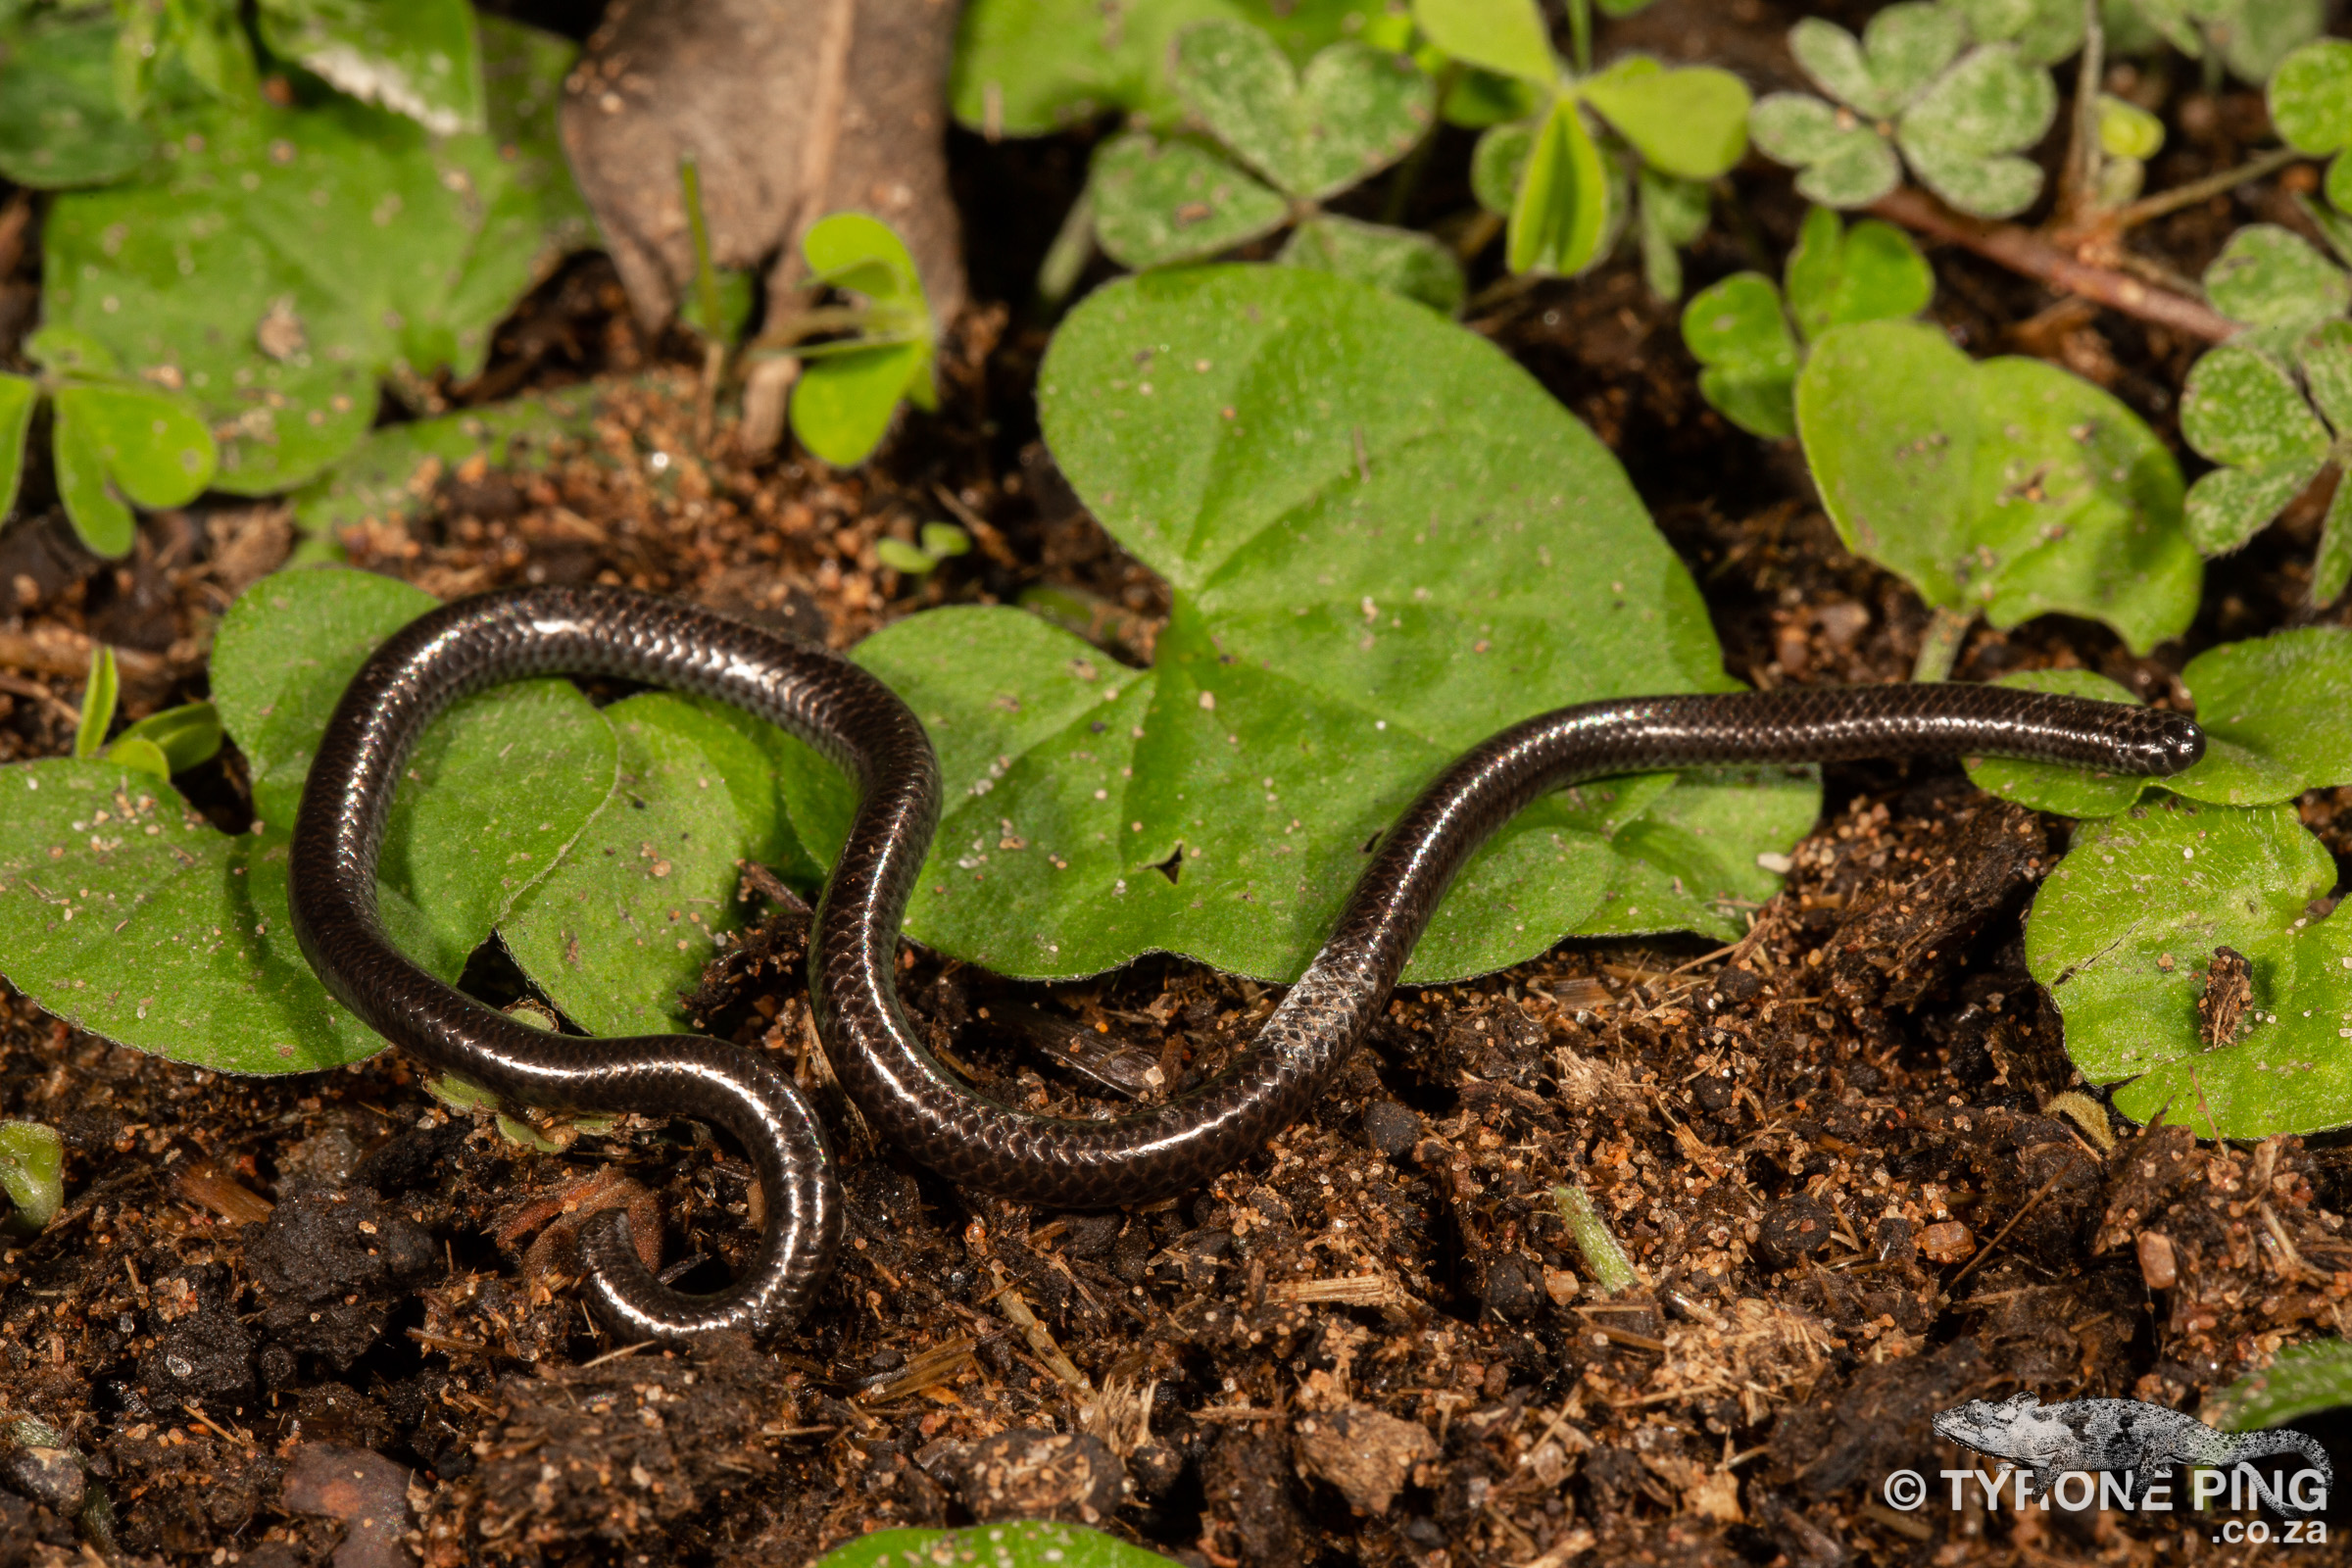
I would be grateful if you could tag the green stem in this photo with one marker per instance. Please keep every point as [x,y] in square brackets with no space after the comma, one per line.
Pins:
[1580,34]
[706,276]
[1947,629]
[1611,1269]
[1066,257]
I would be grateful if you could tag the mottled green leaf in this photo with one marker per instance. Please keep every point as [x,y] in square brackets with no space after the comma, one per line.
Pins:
[1562,206]
[281,259]
[1021,1544]
[1401,261]
[59,122]
[1497,164]
[2122,933]
[1352,111]
[2045,31]
[2008,487]
[2241,409]
[1959,135]
[1902,48]
[2271,276]
[1839,275]
[1029,68]
[1157,204]
[1689,122]
[1505,37]
[418,58]
[1749,358]
[1840,165]
[2255,36]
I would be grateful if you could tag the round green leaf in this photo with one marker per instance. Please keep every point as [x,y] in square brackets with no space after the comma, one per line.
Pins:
[1562,207]
[1843,166]
[1735,331]
[2257,35]
[2051,786]
[2240,408]
[2271,276]
[1159,202]
[842,405]
[1355,110]
[100,519]
[1902,48]
[60,125]
[1690,123]
[1025,1544]
[1371,572]
[1399,260]
[2127,130]
[2122,933]
[2045,31]
[286,257]
[152,445]
[1499,162]
[1870,273]
[2275,710]
[2008,487]
[1505,37]
[1957,135]
[864,254]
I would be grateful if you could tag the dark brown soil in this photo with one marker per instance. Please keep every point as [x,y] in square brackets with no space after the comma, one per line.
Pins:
[1833,1150]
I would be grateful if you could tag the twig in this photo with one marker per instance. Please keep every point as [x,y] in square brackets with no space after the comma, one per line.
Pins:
[2002,1235]
[2197,190]
[2020,250]
[40,694]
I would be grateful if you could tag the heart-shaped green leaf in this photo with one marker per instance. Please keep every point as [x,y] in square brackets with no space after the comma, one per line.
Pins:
[418,58]
[1401,261]
[1839,275]
[1840,162]
[1353,110]
[286,257]
[2008,487]
[1962,134]
[1160,203]
[152,446]
[1562,207]
[1367,580]
[2241,409]
[2271,276]
[1505,37]
[60,125]
[1747,355]
[2122,931]
[1030,67]
[1902,48]
[1689,122]
[2275,720]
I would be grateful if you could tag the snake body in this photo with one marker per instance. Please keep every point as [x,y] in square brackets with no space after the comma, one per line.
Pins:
[906,1096]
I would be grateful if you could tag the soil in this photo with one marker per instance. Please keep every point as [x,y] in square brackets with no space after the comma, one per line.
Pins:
[1835,1152]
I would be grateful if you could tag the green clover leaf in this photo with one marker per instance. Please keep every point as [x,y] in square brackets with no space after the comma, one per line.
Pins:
[1560,213]
[1403,261]
[848,391]
[60,125]
[1352,111]
[2242,409]
[1162,202]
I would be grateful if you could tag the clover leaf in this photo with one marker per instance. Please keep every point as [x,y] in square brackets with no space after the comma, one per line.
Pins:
[2122,931]
[284,259]
[60,125]
[2242,409]
[1029,68]
[2311,108]
[2045,31]
[419,58]
[1958,114]
[2275,721]
[847,390]
[1311,133]
[2006,487]
[2268,276]
[1739,333]
[1370,573]
[115,442]
[1507,37]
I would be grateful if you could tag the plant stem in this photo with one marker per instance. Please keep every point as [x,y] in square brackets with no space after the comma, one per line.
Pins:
[2197,190]
[706,276]
[2079,182]
[2020,250]
[1611,1269]
[1580,34]
[1066,257]
[1947,629]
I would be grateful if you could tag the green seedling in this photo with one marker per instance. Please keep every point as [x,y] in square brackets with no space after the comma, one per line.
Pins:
[720,300]
[115,441]
[1748,341]
[1606,1257]
[2006,488]
[1243,431]
[1912,89]
[33,1163]
[850,386]
[60,125]
[2305,1379]
[939,541]
[2129,136]
[2138,934]
[159,745]
[1565,162]
[286,260]
[2311,108]
[548,1133]
[2247,412]
[1277,143]
[1021,1544]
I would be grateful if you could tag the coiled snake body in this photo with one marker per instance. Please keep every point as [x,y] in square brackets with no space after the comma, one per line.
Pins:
[904,1094]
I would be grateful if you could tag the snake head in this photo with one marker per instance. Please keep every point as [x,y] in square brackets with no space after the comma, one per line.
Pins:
[2173,745]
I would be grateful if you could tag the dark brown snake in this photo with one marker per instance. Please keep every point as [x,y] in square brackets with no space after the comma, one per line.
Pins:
[906,1094]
